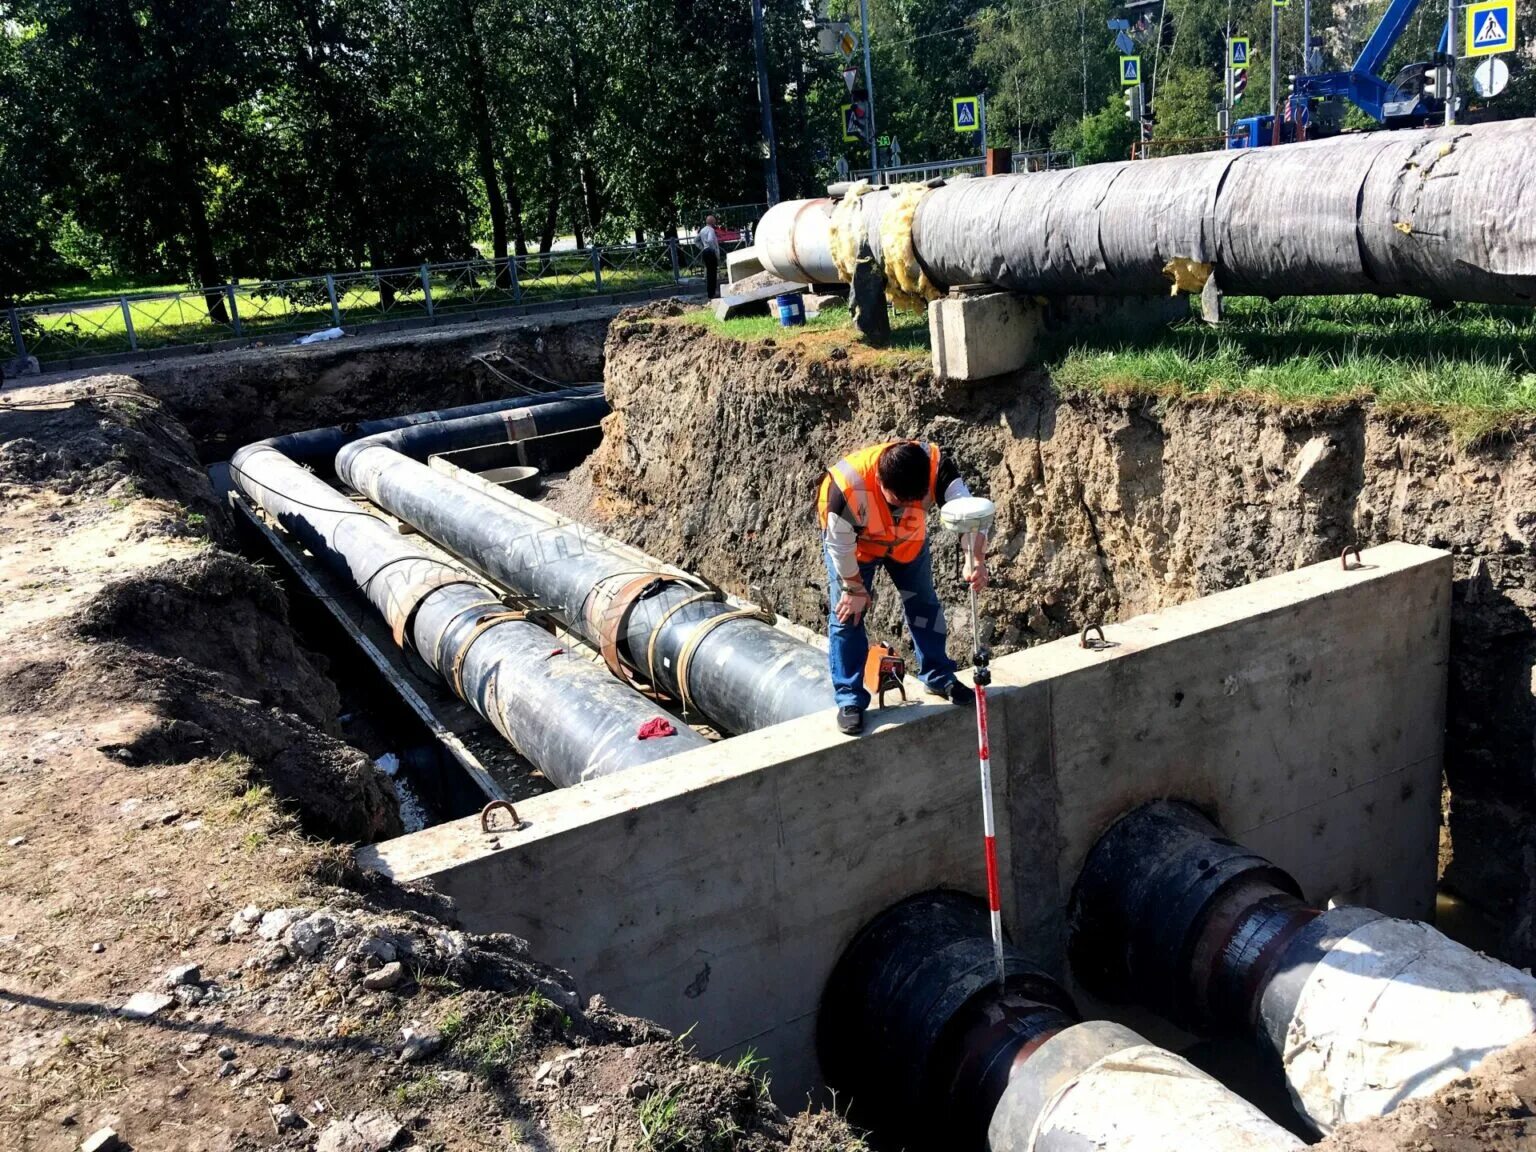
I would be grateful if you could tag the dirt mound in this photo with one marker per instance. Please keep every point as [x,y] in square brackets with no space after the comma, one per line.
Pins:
[457,1026]
[108,437]
[223,614]
[1491,1110]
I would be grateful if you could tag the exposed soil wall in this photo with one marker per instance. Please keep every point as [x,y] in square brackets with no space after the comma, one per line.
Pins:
[1108,506]
[229,398]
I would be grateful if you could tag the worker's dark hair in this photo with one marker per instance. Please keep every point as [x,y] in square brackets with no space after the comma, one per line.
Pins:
[903,469]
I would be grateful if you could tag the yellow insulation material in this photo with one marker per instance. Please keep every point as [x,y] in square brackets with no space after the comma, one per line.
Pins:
[1188,276]
[848,230]
[905,282]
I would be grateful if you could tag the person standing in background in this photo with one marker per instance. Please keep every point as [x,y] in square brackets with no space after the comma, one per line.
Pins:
[709,249]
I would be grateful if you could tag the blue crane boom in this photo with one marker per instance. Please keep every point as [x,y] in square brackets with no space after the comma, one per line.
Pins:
[1404,100]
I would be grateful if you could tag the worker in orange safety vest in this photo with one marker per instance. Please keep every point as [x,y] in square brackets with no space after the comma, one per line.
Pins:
[872,506]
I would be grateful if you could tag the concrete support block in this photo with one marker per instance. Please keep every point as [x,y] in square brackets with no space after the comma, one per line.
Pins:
[742,263]
[718,888]
[976,335]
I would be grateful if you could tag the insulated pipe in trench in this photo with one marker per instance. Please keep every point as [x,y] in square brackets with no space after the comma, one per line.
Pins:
[727,664]
[320,445]
[565,714]
[1363,1010]
[929,1050]
[477,429]
[1439,213]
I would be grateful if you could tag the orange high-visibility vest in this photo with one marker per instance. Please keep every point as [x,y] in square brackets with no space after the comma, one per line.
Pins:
[857,477]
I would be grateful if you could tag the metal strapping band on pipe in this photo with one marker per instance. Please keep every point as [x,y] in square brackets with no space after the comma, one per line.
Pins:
[650,652]
[685,657]
[485,622]
[613,617]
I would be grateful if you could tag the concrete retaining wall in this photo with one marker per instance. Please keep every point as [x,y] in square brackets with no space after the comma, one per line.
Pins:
[716,890]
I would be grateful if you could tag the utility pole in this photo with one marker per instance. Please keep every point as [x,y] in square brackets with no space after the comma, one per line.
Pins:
[1306,37]
[869,89]
[1224,121]
[981,124]
[1082,43]
[1450,61]
[1274,59]
[765,101]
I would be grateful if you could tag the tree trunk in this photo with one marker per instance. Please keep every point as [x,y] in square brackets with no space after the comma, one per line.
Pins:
[515,208]
[480,114]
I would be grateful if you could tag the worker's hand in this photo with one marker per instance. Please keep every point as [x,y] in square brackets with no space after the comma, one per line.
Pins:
[851,605]
[976,574]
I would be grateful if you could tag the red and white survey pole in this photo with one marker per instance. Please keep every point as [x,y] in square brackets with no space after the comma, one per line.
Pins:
[968,516]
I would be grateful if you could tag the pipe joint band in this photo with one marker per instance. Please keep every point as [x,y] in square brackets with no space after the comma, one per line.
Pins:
[710,597]
[685,657]
[483,624]
[608,618]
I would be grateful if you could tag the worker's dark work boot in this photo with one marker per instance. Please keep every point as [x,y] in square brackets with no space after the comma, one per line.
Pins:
[850,720]
[955,692]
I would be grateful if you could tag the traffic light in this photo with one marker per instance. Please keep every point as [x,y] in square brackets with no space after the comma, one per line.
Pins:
[1148,119]
[1132,98]
[1239,84]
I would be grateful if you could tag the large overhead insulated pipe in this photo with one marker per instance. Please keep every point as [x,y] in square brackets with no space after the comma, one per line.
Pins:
[1439,213]
[927,1048]
[1364,1011]
[564,713]
[727,664]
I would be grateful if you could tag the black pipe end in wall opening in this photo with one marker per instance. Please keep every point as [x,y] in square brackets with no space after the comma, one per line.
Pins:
[914,1031]
[1144,910]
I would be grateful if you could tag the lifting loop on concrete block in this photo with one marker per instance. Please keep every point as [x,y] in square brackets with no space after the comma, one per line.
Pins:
[490,809]
[685,657]
[1092,645]
[1344,557]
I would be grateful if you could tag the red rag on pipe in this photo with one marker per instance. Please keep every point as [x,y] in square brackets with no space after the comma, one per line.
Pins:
[656,726]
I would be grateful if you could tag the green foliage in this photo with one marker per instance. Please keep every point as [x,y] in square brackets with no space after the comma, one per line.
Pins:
[201,142]
[1187,99]
[1105,135]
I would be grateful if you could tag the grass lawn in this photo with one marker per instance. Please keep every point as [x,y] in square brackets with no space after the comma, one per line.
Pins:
[1474,364]
[179,315]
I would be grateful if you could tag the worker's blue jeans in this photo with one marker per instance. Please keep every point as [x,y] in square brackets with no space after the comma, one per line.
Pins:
[925,621]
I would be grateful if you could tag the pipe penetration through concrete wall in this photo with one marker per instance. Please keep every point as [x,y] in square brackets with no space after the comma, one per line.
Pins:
[571,717]
[1440,213]
[1359,1011]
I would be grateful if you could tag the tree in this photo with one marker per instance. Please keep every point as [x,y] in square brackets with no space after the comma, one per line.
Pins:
[1103,136]
[144,118]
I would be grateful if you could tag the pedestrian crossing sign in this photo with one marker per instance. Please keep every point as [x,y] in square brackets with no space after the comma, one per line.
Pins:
[1237,52]
[967,114]
[1490,27]
[1130,71]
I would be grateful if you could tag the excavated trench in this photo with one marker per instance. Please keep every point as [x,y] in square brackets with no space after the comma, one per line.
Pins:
[1109,506]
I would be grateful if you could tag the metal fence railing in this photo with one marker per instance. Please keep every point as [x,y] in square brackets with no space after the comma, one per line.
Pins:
[1180,146]
[922,173]
[1042,160]
[256,309]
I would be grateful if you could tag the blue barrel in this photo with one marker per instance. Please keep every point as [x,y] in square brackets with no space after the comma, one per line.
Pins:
[791,310]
